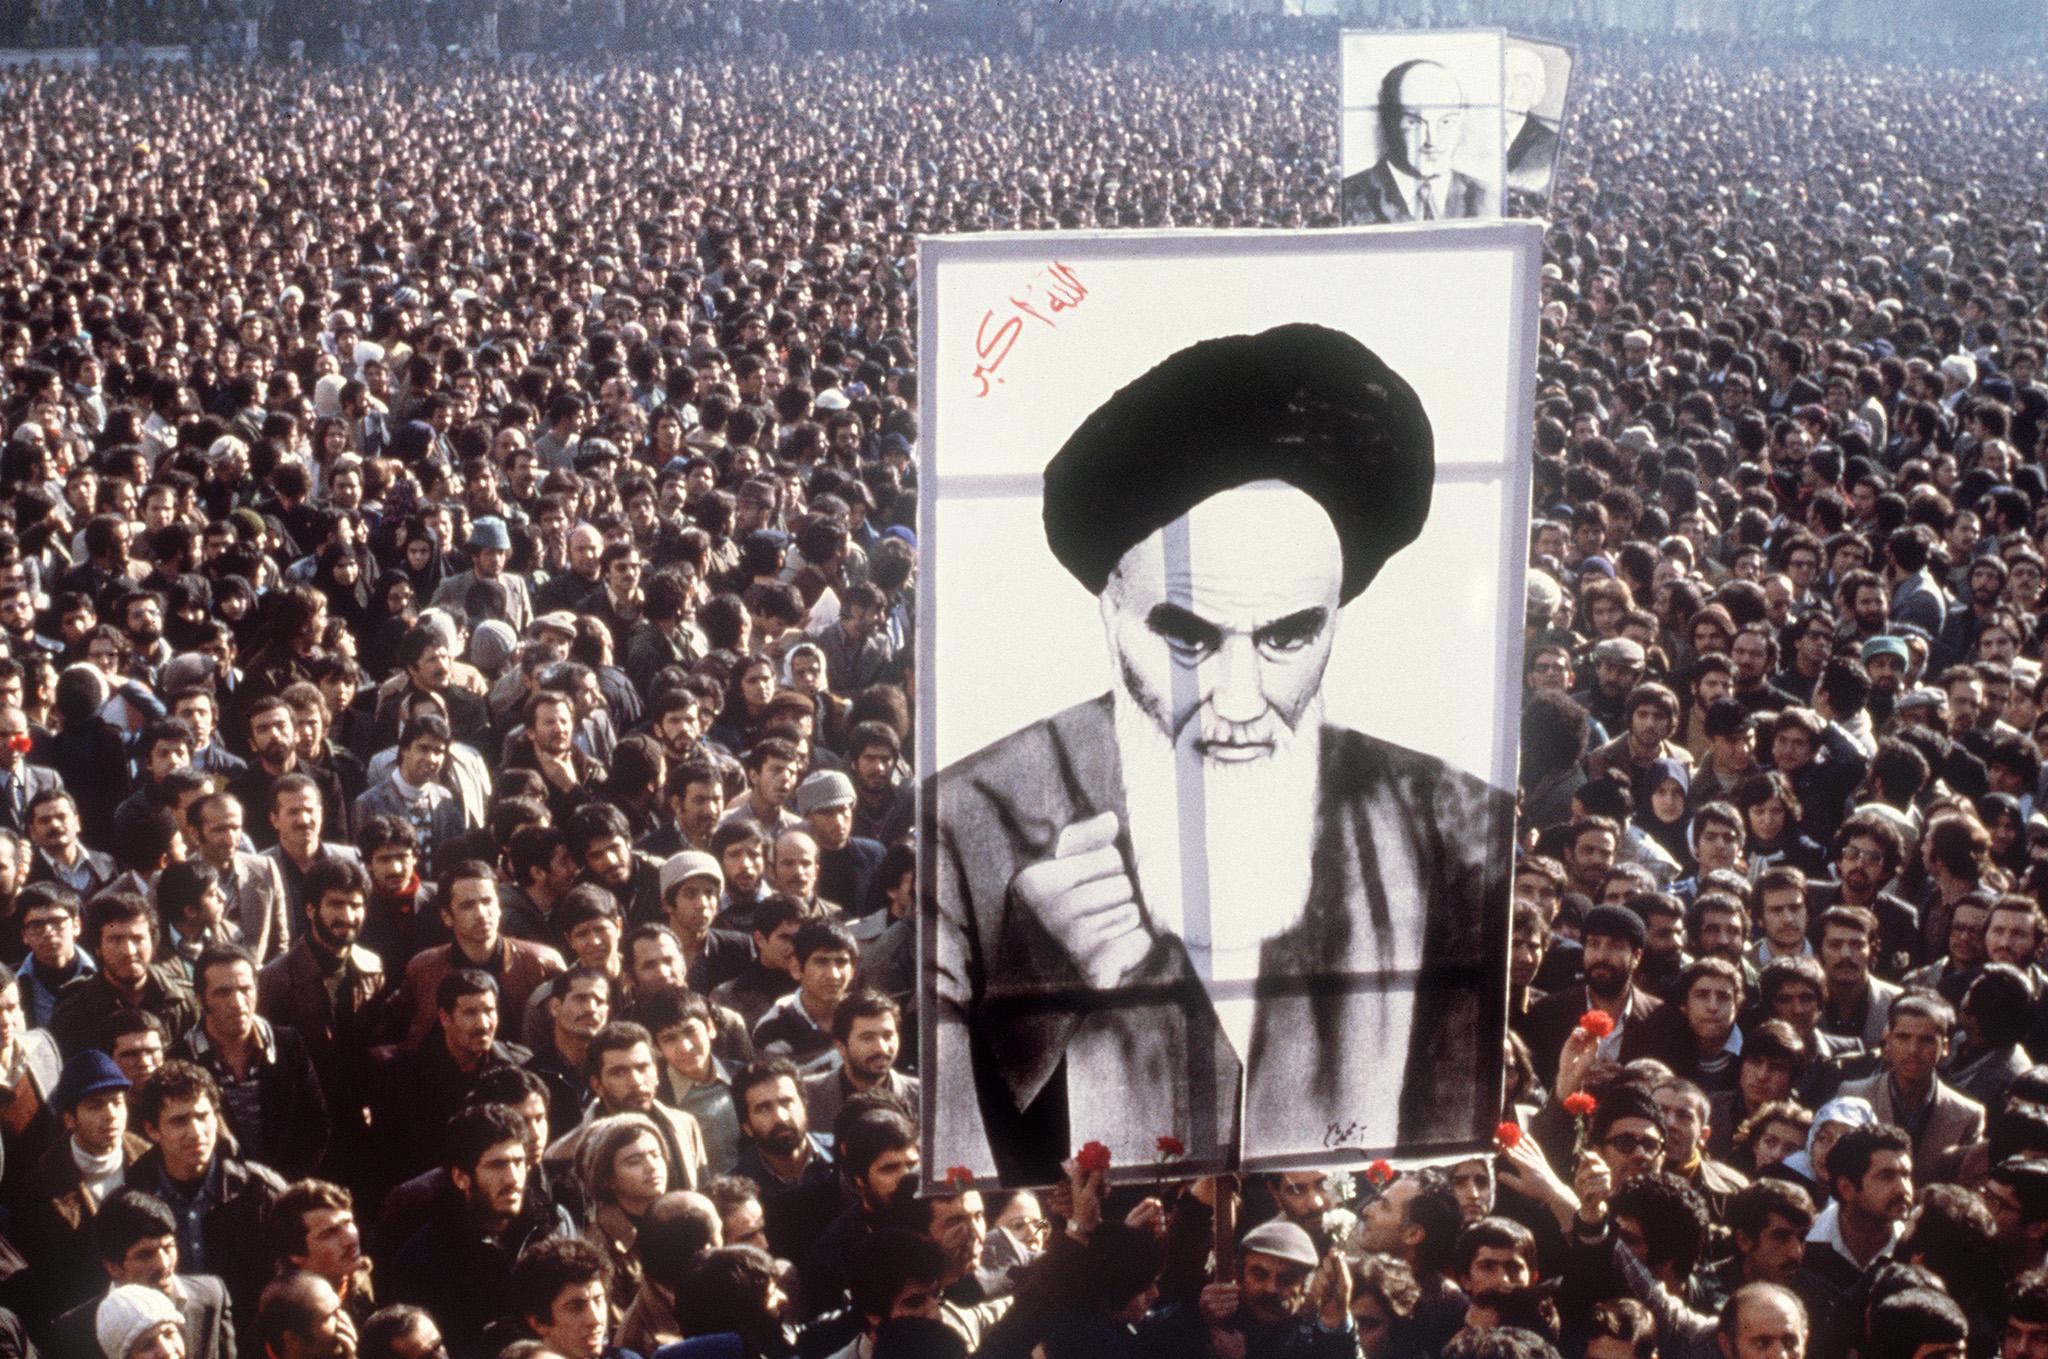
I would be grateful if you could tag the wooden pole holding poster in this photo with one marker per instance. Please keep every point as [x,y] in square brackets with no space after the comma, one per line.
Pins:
[1224,1248]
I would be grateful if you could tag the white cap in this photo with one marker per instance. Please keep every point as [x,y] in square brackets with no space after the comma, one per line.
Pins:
[127,1314]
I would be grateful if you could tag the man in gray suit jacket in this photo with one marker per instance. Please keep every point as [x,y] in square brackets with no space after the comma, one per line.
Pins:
[1193,885]
[126,1229]
[1422,125]
[254,886]
[1909,1094]
[20,781]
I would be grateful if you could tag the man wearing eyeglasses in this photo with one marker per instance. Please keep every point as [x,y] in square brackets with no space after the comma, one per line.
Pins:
[1627,1133]
[1868,852]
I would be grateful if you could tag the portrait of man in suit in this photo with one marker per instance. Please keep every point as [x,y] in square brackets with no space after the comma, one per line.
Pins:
[1423,118]
[1530,131]
[1191,904]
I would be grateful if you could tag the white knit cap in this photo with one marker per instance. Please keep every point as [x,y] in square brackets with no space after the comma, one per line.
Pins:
[128,1313]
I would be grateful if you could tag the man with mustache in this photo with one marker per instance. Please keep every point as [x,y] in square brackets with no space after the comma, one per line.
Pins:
[1147,899]
[1870,1170]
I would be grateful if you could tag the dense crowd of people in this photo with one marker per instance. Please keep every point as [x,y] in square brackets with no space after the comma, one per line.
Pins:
[358,30]
[457,594]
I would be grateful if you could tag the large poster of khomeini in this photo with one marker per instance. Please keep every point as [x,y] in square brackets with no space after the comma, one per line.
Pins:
[1195,903]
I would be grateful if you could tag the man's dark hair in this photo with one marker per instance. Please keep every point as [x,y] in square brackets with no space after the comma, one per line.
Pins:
[2028,1179]
[867,736]
[127,1020]
[1628,1321]
[143,838]
[113,908]
[2026,1298]
[126,1217]
[331,873]
[1853,1152]
[475,1130]
[676,1230]
[460,982]
[1952,1234]
[186,1082]
[1781,972]
[886,1262]
[1750,1208]
[871,1134]
[766,749]
[47,896]
[1617,1103]
[727,1290]
[424,724]
[620,1035]
[465,870]
[218,955]
[774,911]
[1905,1321]
[819,936]
[1773,1040]
[863,1004]
[1673,1220]
[508,1085]
[1499,1342]
[581,904]
[1499,1233]
[284,1227]
[1436,1212]
[2000,1000]
[592,822]
[293,783]
[543,1270]
[761,1073]
[667,1009]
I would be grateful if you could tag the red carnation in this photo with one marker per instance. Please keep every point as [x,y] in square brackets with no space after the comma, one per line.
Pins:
[1597,1022]
[1580,1105]
[1508,1135]
[1379,1172]
[1092,1157]
[1169,1145]
[960,1177]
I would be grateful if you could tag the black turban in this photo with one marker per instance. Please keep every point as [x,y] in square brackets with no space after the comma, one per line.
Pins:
[1301,404]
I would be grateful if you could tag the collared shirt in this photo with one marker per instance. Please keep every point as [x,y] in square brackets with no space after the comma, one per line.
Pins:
[1411,188]
[14,794]
[190,1213]
[190,946]
[77,875]
[1827,1231]
[241,1098]
[1765,951]
[1913,1118]
[785,1020]
[1728,1054]
[40,987]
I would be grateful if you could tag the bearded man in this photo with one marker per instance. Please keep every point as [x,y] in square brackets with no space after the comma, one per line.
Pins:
[1190,904]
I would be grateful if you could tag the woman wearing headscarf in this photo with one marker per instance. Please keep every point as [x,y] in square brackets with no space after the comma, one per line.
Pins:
[339,576]
[1662,814]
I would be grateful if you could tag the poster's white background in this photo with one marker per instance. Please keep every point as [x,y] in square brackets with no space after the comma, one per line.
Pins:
[1474,57]
[1418,658]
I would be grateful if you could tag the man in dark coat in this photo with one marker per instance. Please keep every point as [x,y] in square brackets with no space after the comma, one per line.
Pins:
[218,1200]
[136,1239]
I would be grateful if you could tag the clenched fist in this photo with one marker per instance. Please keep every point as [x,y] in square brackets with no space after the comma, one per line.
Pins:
[1085,897]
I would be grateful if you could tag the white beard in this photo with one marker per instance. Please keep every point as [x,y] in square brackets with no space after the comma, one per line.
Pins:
[1222,852]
